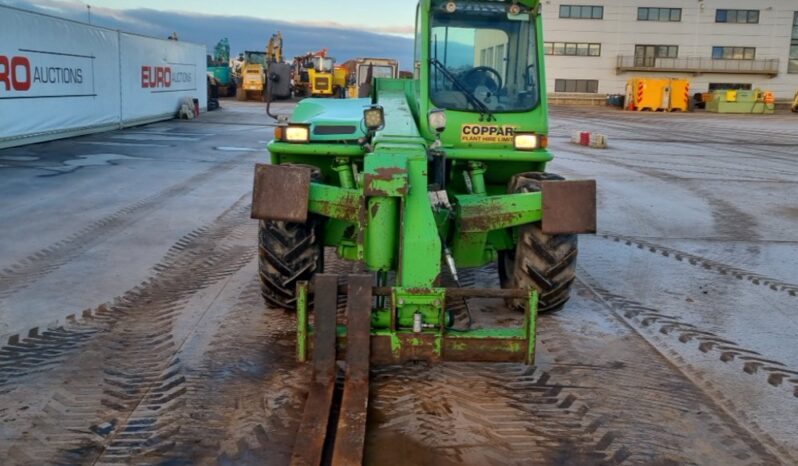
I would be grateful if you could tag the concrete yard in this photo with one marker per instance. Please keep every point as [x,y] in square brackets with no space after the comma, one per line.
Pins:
[133,330]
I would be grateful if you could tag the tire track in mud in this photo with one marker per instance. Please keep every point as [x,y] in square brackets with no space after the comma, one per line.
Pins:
[654,320]
[471,413]
[728,219]
[25,272]
[76,403]
[589,401]
[245,400]
[708,264]
[40,352]
[464,413]
[648,322]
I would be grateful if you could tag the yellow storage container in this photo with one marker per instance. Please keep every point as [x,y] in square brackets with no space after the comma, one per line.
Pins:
[658,94]
[648,94]
[680,95]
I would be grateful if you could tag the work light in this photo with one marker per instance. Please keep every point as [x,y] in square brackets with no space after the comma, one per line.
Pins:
[437,119]
[526,141]
[297,133]
[374,117]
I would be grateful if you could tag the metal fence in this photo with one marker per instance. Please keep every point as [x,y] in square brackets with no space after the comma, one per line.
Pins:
[769,66]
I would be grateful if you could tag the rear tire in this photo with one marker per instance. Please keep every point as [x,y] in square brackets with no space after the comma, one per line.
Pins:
[289,253]
[546,263]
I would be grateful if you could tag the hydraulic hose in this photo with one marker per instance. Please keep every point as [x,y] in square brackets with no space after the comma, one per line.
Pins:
[270,79]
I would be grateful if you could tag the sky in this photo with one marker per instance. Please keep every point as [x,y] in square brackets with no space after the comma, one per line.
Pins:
[349,28]
[385,15]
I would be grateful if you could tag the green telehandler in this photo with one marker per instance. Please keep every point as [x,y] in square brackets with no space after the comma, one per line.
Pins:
[442,172]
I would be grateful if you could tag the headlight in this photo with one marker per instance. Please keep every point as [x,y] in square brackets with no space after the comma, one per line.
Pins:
[294,132]
[526,141]
[437,120]
[374,117]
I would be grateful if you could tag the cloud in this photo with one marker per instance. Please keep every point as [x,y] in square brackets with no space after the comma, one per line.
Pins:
[244,33]
[398,30]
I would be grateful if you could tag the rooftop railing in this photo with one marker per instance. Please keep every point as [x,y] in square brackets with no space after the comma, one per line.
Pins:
[698,65]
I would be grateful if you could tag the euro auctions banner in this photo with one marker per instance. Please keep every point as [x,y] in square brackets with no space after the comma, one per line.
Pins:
[55,75]
[60,78]
[157,74]
[36,74]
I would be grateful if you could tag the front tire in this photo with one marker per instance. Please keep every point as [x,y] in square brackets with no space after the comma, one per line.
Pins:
[546,263]
[289,253]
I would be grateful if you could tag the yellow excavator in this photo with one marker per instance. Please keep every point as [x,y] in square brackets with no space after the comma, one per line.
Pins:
[253,70]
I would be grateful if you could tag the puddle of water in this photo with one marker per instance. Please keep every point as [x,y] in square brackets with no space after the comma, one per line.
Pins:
[167,133]
[95,159]
[19,158]
[151,137]
[238,149]
[127,144]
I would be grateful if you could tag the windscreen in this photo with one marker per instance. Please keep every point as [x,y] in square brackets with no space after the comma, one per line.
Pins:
[256,58]
[483,58]
[323,63]
[379,71]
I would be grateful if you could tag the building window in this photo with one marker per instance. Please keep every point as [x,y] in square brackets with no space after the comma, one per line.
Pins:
[733,53]
[737,16]
[586,86]
[729,86]
[792,65]
[647,55]
[576,49]
[659,14]
[581,12]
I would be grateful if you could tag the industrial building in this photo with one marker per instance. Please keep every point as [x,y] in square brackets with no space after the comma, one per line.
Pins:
[596,46]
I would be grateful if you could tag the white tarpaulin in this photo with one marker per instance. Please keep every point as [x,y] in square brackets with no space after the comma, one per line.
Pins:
[55,75]
[60,78]
[157,74]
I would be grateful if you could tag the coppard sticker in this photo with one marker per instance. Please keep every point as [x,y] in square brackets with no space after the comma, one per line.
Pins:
[482,133]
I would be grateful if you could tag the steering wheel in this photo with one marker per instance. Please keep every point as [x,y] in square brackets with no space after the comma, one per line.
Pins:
[480,76]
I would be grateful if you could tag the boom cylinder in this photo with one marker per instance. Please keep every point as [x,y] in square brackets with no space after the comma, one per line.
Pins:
[477,172]
[345,175]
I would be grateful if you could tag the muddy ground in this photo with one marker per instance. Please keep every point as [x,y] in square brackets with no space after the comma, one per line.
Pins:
[134,332]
